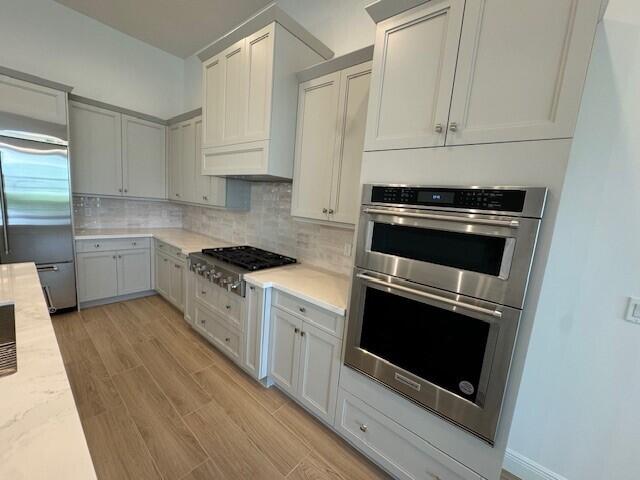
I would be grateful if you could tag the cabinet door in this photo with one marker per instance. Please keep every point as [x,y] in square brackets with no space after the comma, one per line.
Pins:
[285,350]
[212,103]
[176,284]
[202,182]
[316,135]
[354,98]
[319,370]
[163,275]
[252,352]
[97,276]
[234,93]
[134,271]
[259,78]
[96,150]
[188,163]
[413,69]
[144,158]
[175,162]
[521,70]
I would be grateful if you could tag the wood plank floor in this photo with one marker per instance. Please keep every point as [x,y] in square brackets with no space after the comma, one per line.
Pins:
[156,401]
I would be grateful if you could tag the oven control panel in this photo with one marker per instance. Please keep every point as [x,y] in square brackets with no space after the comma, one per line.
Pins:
[468,199]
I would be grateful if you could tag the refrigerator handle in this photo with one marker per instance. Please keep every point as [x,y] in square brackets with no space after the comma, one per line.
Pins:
[3,209]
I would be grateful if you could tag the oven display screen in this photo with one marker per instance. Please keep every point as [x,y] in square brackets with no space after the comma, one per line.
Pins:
[436,197]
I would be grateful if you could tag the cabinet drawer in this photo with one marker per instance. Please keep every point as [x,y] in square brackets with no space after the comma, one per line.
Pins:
[226,305]
[103,245]
[170,250]
[227,339]
[243,158]
[403,453]
[321,318]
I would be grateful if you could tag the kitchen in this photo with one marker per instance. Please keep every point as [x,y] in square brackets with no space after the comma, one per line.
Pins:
[216,274]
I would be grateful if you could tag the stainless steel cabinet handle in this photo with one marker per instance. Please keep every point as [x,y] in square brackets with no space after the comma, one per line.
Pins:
[363,427]
[47,294]
[430,296]
[453,127]
[47,268]
[3,207]
[438,128]
[445,218]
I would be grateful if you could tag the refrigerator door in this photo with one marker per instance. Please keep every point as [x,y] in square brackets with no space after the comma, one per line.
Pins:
[35,203]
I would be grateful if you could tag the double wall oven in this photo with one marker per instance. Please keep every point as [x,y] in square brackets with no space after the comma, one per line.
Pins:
[438,290]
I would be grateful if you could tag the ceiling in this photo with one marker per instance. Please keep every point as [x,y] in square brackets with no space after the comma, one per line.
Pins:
[180,27]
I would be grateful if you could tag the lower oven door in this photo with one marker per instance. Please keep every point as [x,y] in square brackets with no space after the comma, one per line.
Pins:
[449,353]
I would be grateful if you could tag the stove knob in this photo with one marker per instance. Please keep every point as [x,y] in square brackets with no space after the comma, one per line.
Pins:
[233,286]
[216,275]
[223,281]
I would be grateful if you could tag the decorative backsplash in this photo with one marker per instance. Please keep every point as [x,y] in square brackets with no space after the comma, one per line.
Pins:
[101,212]
[267,225]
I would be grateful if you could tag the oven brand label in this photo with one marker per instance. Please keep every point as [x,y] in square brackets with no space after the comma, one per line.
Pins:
[466,387]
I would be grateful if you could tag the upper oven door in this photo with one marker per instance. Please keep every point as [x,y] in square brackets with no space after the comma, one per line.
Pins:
[482,256]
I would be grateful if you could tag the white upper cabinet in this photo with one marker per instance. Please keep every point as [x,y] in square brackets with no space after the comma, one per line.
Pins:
[521,70]
[34,101]
[315,146]
[413,70]
[115,154]
[144,158]
[249,104]
[345,187]
[175,162]
[259,77]
[332,112]
[187,184]
[96,149]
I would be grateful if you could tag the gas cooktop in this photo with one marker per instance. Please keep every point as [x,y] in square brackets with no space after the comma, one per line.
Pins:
[227,266]
[251,258]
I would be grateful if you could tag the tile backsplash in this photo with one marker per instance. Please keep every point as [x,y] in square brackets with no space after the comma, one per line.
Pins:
[267,225]
[101,212]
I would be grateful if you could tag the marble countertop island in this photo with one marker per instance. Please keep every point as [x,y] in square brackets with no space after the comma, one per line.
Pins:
[40,432]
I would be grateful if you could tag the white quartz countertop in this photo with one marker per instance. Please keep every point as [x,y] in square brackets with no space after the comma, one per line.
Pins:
[325,289]
[41,435]
[185,240]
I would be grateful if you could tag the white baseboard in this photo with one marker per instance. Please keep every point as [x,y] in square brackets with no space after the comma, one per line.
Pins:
[526,469]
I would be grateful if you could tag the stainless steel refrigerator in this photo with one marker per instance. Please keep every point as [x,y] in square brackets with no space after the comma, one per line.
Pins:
[35,205]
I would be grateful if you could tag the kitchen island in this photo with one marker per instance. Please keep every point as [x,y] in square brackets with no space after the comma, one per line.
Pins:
[40,431]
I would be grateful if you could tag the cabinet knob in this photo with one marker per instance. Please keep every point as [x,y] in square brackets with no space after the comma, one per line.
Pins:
[324,210]
[203,292]
[119,256]
[453,127]
[97,245]
[176,265]
[302,334]
[331,211]
[296,330]
[227,339]
[205,198]
[302,309]
[114,257]
[125,190]
[120,190]
[134,243]
[438,128]
[363,428]
[252,288]
[228,307]
[201,322]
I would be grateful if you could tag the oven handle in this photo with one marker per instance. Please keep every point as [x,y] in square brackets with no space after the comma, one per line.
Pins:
[447,218]
[430,296]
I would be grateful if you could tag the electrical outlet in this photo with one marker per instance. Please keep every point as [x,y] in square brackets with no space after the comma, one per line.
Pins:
[633,311]
[347,249]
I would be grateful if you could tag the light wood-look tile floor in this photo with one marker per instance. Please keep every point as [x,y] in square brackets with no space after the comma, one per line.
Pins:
[158,402]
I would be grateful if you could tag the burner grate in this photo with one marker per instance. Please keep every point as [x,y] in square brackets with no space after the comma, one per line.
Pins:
[251,258]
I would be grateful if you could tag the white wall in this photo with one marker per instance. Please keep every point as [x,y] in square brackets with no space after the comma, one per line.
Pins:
[43,38]
[343,25]
[577,411]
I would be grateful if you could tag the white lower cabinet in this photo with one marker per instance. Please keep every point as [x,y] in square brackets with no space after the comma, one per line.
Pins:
[305,362]
[401,452]
[215,329]
[170,278]
[256,337]
[112,273]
